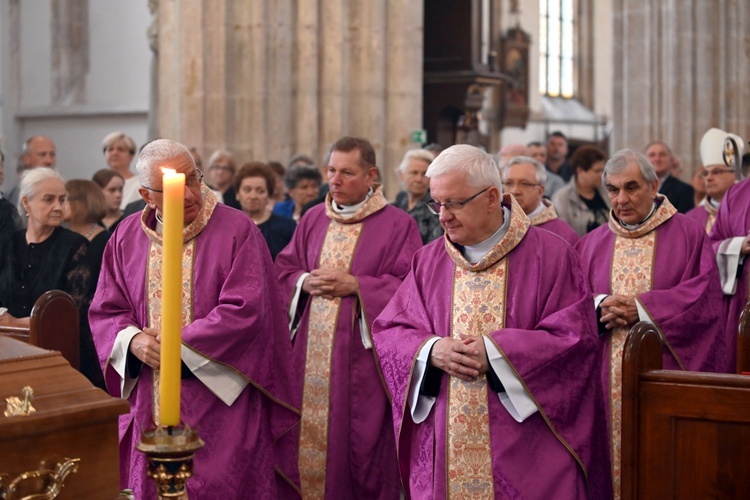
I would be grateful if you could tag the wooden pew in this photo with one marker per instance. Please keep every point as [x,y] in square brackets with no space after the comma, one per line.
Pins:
[53,325]
[684,434]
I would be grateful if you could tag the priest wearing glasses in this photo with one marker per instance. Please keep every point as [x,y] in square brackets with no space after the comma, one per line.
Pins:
[490,352]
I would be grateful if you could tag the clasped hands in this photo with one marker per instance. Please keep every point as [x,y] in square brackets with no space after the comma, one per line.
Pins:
[465,359]
[330,283]
[146,346]
[618,311]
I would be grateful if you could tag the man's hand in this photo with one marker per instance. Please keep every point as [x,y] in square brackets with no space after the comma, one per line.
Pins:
[8,319]
[619,311]
[456,358]
[745,249]
[330,283]
[146,347]
[476,343]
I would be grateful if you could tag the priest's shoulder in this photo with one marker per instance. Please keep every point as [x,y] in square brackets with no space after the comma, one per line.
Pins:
[228,217]
[545,239]
[687,225]
[739,193]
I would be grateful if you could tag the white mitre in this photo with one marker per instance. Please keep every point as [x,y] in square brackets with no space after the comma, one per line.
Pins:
[712,146]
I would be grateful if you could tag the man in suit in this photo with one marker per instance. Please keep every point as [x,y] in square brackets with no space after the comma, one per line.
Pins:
[680,194]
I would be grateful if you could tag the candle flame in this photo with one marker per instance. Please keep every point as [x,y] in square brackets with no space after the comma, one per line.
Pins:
[168,171]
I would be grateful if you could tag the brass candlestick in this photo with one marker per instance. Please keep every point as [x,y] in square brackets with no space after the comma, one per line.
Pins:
[170,452]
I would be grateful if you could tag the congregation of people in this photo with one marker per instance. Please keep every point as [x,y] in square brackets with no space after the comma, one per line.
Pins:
[464,339]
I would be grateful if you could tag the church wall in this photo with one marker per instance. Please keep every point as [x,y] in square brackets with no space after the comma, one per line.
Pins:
[74,70]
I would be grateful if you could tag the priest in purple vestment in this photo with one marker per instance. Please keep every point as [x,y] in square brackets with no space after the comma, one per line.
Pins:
[651,264]
[237,379]
[731,241]
[490,352]
[524,178]
[345,261]
[717,176]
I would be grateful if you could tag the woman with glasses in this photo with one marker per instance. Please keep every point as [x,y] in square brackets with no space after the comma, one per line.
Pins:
[582,203]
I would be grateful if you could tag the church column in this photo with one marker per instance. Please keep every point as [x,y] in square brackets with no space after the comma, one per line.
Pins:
[272,78]
[404,72]
[693,61]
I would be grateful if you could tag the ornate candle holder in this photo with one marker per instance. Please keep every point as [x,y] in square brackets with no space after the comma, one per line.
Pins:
[170,452]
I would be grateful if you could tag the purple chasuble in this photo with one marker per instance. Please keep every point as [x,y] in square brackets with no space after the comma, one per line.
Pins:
[238,321]
[562,229]
[361,456]
[685,298]
[699,215]
[733,221]
[549,340]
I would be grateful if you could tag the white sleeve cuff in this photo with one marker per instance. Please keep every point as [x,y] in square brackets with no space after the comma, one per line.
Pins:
[225,383]
[514,399]
[598,299]
[729,259]
[119,359]
[420,405]
[295,301]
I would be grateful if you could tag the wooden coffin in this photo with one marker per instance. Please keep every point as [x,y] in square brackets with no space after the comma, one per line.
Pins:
[73,419]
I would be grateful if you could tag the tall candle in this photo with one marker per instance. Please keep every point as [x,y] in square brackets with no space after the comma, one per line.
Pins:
[171,297]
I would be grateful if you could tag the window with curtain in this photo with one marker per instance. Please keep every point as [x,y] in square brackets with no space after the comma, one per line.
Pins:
[556,48]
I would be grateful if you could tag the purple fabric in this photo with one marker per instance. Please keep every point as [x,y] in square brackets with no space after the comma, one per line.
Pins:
[733,220]
[562,229]
[549,340]
[239,322]
[699,215]
[361,459]
[685,299]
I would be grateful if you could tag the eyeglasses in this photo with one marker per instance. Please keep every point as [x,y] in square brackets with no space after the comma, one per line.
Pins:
[716,171]
[451,206]
[521,184]
[194,180]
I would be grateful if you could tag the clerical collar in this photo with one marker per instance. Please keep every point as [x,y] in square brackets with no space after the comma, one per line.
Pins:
[632,227]
[713,203]
[537,210]
[475,253]
[348,211]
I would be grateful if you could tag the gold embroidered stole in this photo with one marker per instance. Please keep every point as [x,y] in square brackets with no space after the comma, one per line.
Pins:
[546,215]
[337,253]
[478,307]
[153,274]
[631,274]
[711,211]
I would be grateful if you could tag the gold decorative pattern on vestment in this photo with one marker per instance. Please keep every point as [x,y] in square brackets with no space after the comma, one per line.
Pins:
[337,253]
[549,213]
[478,307]
[711,211]
[154,293]
[376,203]
[153,272]
[519,225]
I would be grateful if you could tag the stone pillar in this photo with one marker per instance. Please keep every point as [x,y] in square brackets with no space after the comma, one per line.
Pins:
[269,79]
[679,69]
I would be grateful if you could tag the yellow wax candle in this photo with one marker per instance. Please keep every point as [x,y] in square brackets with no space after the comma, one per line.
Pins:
[171,298]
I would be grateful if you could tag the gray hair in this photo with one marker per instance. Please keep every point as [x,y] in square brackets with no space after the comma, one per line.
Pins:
[222,153]
[113,137]
[620,161]
[30,184]
[156,152]
[416,154]
[479,167]
[541,171]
